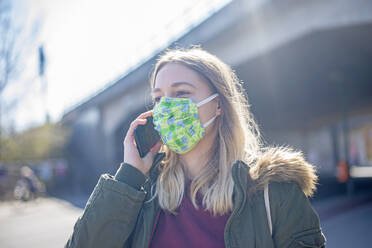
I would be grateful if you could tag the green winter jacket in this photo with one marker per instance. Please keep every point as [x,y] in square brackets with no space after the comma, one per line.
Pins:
[117,214]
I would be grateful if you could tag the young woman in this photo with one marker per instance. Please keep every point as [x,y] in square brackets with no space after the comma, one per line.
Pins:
[209,182]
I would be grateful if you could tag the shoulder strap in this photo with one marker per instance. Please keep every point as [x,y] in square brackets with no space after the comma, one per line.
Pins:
[267,205]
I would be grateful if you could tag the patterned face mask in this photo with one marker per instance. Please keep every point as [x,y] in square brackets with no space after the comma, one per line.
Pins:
[178,123]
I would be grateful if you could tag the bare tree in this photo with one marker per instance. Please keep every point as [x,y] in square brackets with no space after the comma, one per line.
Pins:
[13,46]
[8,56]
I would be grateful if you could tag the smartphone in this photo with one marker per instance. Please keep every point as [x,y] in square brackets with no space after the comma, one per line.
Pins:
[146,137]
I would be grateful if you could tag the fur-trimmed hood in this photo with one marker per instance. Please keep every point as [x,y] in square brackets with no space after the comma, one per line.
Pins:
[283,164]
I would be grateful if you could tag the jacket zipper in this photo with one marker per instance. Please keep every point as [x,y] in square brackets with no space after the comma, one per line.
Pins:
[154,227]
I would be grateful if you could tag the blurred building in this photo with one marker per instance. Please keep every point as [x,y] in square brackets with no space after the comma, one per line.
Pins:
[306,66]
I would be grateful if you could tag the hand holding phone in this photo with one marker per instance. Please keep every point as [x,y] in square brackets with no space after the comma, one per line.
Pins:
[146,137]
[131,146]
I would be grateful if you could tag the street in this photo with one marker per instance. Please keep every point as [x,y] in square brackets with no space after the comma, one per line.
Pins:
[48,222]
[346,221]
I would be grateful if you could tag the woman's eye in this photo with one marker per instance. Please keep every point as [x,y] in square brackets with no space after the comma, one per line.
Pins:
[181,93]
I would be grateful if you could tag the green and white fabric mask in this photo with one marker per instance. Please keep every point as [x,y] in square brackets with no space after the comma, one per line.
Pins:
[178,123]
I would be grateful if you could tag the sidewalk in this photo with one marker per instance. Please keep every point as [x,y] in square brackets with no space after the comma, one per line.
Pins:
[44,223]
[346,221]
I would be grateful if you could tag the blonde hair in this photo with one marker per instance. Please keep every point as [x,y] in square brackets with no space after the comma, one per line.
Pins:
[238,137]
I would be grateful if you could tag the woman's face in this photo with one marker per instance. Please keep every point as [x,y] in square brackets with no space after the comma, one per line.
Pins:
[177,80]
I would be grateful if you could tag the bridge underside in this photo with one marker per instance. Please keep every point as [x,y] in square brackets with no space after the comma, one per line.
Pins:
[319,77]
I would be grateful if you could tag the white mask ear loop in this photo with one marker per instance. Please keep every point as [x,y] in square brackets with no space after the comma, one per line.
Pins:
[210,98]
[209,122]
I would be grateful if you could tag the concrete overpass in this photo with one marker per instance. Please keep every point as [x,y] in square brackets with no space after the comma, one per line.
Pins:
[306,67]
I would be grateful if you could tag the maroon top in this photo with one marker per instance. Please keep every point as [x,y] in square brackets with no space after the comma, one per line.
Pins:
[190,227]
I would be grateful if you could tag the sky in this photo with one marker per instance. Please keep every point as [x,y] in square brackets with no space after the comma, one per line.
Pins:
[88,45]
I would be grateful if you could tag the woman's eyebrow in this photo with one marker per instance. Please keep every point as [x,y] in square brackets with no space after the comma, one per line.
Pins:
[180,83]
[175,84]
